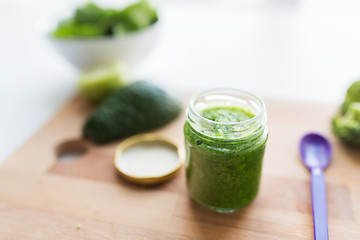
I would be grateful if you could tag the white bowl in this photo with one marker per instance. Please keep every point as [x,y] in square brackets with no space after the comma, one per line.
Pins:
[87,52]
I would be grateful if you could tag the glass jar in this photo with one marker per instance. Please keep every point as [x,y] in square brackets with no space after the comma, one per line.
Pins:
[224,159]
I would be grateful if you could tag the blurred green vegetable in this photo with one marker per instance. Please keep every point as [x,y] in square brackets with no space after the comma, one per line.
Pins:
[352,95]
[138,16]
[98,82]
[91,20]
[89,13]
[136,108]
[69,28]
[347,127]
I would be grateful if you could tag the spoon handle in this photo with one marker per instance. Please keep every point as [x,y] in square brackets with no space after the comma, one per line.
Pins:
[318,192]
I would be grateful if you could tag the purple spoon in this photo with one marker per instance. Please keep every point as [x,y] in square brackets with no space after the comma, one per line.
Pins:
[316,155]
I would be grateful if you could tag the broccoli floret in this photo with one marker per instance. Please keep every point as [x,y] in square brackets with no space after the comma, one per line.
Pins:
[352,95]
[347,127]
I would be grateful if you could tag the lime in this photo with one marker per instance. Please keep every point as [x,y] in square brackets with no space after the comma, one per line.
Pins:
[98,82]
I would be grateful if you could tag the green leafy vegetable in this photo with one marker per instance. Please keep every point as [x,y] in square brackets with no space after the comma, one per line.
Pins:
[138,15]
[91,20]
[68,28]
[89,13]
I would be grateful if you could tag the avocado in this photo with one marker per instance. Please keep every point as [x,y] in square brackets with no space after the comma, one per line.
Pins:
[139,107]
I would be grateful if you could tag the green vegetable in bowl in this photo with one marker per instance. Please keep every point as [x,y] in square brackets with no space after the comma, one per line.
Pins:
[352,95]
[136,17]
[98,82]
[69,28]
[91,20]
[89,14]
[347,127]
[136,108]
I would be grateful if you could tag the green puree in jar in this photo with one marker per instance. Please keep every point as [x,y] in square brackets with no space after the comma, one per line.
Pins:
[226,114]
[224,173]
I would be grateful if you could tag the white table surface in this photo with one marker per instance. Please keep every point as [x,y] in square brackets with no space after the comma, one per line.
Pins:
[307,50]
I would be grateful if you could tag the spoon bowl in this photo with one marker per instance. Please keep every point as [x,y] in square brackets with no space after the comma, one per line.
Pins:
[315,151]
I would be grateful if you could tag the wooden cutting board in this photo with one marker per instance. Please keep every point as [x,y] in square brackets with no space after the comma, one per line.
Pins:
[43,198]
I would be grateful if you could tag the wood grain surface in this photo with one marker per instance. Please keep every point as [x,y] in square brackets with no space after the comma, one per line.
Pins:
[44,198]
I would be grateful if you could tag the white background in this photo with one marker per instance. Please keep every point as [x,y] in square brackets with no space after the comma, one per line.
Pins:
[307,50]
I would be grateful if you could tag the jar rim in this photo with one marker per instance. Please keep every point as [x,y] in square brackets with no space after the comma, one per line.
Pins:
[257,117]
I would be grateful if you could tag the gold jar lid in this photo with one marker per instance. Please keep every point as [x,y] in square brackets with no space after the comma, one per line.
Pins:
[148,159]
